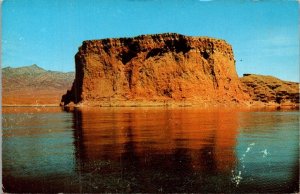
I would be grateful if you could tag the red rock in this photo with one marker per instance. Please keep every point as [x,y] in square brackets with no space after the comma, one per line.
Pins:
[155,70]
[271,90]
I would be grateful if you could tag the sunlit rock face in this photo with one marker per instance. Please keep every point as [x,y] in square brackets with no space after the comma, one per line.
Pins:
[155,70]
[269,89]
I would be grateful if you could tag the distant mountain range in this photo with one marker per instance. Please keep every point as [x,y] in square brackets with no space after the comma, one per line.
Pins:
[35,77]
[34,85]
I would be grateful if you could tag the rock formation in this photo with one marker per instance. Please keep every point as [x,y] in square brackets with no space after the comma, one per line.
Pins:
[155,70]
[268,89]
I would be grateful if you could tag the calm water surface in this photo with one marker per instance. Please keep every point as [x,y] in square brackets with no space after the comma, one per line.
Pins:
[149,150]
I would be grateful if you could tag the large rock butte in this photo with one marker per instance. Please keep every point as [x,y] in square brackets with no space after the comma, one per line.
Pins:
[156,69]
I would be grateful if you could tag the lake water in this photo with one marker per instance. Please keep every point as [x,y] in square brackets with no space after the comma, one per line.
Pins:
[149,150]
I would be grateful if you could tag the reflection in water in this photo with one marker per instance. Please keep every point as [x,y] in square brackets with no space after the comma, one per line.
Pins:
[155,150]
[149,150]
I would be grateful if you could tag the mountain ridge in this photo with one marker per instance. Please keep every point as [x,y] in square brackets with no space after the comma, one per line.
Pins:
[32,84]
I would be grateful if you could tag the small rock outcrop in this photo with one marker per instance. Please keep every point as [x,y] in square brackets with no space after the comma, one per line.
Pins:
[155,70]
[268,89]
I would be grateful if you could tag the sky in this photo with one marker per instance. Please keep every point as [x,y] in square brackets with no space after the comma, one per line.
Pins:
[264,34]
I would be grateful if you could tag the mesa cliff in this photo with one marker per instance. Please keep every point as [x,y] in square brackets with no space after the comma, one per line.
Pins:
[156,69]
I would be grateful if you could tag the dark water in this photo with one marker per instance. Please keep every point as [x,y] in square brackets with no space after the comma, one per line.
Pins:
[149,150]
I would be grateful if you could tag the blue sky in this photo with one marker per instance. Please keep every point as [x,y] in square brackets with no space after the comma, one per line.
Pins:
[264,34]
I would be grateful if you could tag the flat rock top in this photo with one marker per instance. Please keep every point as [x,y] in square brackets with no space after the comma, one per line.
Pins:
[157,37]
[170,42]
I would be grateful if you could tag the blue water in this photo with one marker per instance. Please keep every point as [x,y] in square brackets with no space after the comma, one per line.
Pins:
[149,150]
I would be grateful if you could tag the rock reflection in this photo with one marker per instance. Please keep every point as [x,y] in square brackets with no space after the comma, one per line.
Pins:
[149,150]
[155,148]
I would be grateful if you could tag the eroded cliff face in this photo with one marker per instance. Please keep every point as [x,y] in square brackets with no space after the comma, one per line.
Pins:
[268,89]
[153,70]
